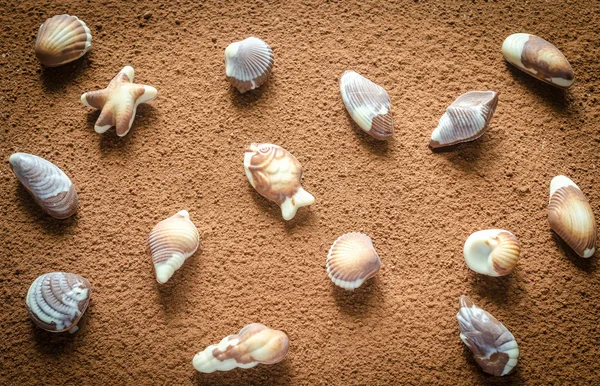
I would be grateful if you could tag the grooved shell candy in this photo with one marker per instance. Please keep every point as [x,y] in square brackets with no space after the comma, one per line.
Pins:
[352,260]
[56,301]
[62,39]
[254,344]
[47,184]
[248,63]
[493,252]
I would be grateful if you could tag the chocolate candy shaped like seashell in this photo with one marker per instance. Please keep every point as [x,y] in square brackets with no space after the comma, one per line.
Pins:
[275,173]
[352,260]
[48,185]
[466,119]
[368,104]
[538,58]
[56,301]
[254,344]
[171,242]
[62,39]
[248,63]
[492,252]
[493,346]
[571,216]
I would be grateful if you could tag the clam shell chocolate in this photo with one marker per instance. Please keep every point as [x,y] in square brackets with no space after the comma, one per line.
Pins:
[248,63]
[254,344]
[48,185]
[62,39]
[492,252]
[352,260]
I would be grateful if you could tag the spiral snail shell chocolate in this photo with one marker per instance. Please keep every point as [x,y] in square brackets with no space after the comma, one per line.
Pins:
[248,63]
[352,260]
[492,252]
[62,39]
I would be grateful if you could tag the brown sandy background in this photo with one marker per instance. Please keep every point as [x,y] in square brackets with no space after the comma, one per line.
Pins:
[185,151]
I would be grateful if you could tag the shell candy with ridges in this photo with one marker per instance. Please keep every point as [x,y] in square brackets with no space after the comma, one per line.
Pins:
[492,252]
[62,39]
[352,260]
[248,63]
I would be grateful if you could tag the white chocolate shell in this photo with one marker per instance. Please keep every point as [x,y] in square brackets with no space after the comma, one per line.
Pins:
[56,301]
[492,252]
[368,104]
[171,242]
[62,39]
[466,119]
[493,346]
[571,216]
[248,63]
[352,260]
[48,185]
[254,344]
[538,58]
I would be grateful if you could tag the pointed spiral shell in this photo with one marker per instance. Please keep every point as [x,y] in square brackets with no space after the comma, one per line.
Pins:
[352,260]
[62,39]
[248,63]
[493,252]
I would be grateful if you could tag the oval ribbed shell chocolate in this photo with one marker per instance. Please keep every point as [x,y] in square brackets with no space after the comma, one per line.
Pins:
[352,259]
[248,63]
[493,252]
[62,39]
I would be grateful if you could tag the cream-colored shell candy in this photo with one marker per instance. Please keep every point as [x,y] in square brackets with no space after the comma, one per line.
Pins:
[466,119]
[171,242]
[254,344]
[493,346]
[492,252]
[368,104]
[571,216]
[275,173]
[56,301]
[62,39]
[248,63]
[538,58]
[48,185]
[352,260]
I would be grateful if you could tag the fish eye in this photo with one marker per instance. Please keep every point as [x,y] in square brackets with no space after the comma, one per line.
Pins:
[264,149]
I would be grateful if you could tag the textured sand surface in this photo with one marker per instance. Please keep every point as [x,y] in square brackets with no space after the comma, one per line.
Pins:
[185,151]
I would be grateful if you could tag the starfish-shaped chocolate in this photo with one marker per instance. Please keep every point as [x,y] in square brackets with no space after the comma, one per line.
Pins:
[118,102]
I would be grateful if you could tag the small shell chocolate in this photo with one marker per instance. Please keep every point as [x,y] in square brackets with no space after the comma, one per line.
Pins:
[248,63]
[466,119]
[493,346]
[352,260]
[492,252]
[56,301]
[48,185]
[368,104]
[275,173]
[171,242]
[62,39]
[254,344]
[571,216]
[538,58]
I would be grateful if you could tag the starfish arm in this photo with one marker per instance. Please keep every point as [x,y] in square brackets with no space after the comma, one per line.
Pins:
[96,99]
[148,94]
[124,76]
[106,120]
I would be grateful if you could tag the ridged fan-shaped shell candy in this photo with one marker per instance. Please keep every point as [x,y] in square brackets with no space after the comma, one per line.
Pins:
[352,260]
[62,39]
[248,63]
[492,252]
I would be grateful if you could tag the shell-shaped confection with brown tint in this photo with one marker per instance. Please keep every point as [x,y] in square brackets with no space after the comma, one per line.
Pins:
[48,185]
[254,344]
[493,346]
[368,104]
[62,39]
[248,63]
[466,119]
[493,252]
[171,242]
[571,216]
[352,260]
[56,301]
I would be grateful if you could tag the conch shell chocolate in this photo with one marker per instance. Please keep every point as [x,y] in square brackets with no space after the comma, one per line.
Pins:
[492,252]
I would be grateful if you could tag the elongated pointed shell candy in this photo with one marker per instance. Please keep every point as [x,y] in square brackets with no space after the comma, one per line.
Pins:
[466,119]
[493,252]
[171,242]
[248,63]
[538,58]
[352,260]
[62,39]
[493,346]
[275,173]
[56,301]
[254,344]
[47,184]
[368,104]
[571,216]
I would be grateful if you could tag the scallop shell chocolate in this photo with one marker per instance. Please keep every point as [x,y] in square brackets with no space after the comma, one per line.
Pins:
[352,260]
[538,58]
[56,301]
[492,252]
[466,119]
[62,39]
[368,104]
[48,185]
[493,346]
[248,63]
[571,216]
[171,242]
